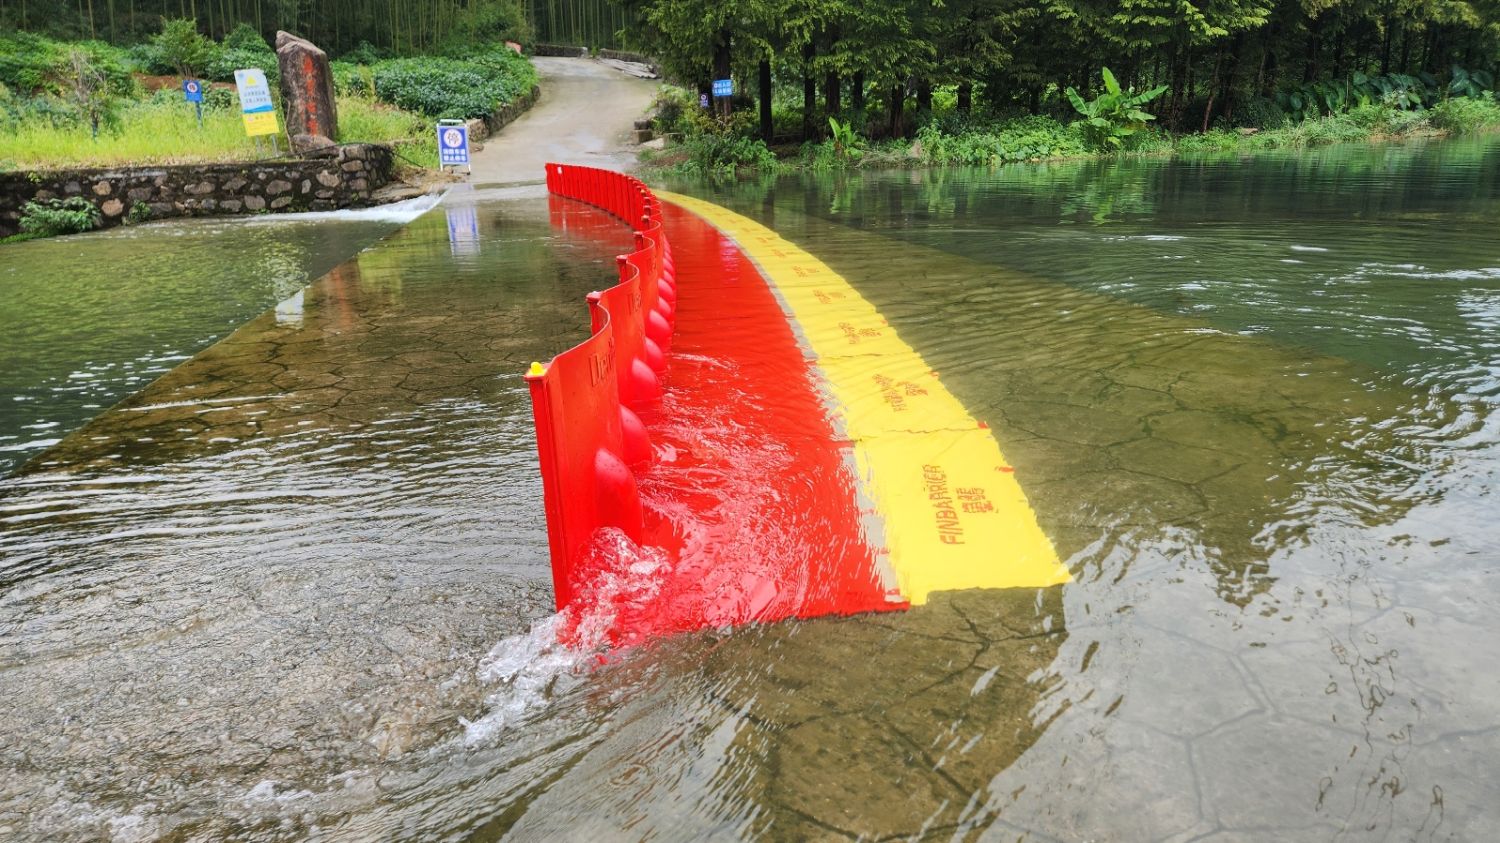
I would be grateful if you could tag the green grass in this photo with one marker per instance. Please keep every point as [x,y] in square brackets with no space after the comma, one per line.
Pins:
[411,135]
[160,132]
[149,132]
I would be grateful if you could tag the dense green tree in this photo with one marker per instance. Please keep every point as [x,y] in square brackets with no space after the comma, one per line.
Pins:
[1214,56]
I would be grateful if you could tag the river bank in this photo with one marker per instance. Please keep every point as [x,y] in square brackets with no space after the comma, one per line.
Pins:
[951,139]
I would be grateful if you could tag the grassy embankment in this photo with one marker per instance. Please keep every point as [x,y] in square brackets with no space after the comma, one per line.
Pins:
[946,136]
[53,93]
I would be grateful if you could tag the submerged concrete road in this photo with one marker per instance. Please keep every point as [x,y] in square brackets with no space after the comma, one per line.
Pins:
[585,116]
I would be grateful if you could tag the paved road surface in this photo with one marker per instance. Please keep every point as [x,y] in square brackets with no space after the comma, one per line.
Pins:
[585,116]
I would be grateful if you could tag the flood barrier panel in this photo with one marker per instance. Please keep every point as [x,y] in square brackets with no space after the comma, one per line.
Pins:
[806,460]
[585,402]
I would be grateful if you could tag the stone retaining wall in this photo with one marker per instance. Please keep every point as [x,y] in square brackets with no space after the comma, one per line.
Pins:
[563,50]
[624,55]
[344,178]
[481,128]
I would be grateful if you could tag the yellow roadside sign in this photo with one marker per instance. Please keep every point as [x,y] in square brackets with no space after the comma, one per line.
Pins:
[261,123]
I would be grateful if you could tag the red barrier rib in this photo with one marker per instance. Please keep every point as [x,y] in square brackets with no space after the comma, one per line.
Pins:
[746,500]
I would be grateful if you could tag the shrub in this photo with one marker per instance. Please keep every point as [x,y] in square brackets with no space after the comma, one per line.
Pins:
[223,63]
[724,153]
[245,37]
[1258,113]
[180,45]
[1021,139]
[1372,117]
[1463,116]
[1406,122]
[672,106]
[352,80]
[217,99]
[147,58]
[49,111]
[1214,140]
[28,62]
[450,88]
[493,20]
[58,216]
[31,64]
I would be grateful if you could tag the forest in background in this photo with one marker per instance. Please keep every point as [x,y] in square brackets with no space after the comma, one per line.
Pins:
[1215,57]
[391,27]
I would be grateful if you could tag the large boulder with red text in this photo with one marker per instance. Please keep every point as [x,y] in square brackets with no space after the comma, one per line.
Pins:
[306,93]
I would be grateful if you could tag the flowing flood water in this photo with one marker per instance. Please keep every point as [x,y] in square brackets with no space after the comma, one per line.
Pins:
[299,585]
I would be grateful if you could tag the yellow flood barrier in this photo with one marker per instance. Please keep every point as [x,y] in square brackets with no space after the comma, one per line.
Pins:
[951,511]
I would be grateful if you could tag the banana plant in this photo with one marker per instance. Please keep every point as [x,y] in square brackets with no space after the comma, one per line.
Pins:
[1112,118]
[847,143]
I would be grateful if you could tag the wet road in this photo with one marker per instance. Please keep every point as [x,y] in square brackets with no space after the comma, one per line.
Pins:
[299,586]
[585,116]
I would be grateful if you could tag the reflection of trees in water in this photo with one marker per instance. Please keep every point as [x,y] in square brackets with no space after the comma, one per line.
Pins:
[1459,177]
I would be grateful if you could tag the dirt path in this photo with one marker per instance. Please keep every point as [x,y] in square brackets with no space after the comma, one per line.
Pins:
[585,116]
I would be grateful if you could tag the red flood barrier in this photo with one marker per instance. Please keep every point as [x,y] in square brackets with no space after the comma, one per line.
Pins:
[590,440]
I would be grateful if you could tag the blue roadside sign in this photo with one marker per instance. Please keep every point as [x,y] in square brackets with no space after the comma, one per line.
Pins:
[723,87]
[192,89]
[453,145]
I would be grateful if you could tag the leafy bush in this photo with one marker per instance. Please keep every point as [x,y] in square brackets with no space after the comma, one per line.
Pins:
[245,37]
[48,111]
[672,106]
[723,153]
[243,48]
[217,98]
[146,58]
[1462,116]
[1466,83]
[493,20]
[1022,139]
[352,80]
[1214,140]
[450,88]
[31,64]
[58,216]
[223,63]
[28,62]
[1115,116]
[1258,113]
[180,45]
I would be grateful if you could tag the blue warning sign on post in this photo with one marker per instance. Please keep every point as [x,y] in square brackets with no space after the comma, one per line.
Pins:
[453,145]
[192,89]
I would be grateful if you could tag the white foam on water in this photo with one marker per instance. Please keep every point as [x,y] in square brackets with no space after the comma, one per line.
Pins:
[397,212]
[532,668]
